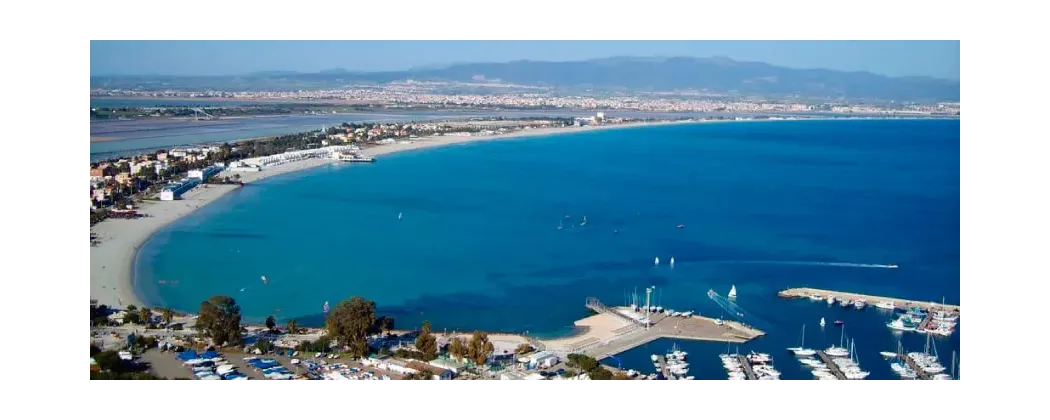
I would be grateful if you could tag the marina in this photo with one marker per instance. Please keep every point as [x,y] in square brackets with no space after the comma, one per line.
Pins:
[880,301]
[613,330]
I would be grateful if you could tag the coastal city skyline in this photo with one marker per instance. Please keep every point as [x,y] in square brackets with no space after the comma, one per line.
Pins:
[936,59]
[615,217]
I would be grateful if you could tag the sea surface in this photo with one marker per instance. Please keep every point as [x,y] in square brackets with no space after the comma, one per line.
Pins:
[765,206]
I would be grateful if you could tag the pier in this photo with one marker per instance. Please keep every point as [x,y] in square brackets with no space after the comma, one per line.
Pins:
[805,292]
[613,330]
[746,364]
[915,366]
[831,365]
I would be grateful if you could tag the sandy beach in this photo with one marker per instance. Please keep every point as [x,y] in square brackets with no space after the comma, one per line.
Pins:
[112,260]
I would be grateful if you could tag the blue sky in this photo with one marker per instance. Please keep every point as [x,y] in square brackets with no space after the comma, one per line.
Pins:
[892,58]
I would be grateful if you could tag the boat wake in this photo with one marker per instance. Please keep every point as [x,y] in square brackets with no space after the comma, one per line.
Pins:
[816,263]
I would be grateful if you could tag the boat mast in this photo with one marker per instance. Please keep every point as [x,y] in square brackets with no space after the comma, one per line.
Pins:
[953,366]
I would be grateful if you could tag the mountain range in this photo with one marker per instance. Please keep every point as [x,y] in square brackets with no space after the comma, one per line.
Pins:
[713,74]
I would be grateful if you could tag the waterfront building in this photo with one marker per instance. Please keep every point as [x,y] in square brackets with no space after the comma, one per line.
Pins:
[204,174]
[175,190]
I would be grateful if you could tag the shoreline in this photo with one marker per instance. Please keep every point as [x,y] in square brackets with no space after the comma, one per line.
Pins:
[112,261]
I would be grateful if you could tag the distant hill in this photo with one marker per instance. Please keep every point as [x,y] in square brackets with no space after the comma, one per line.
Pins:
[715,74]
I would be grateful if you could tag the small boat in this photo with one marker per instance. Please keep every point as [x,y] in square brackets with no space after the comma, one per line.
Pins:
[560,226]
[801,350]
[584,222]
[831,300]
[884,304]
[845,303]
[822,321]
[834,351]
[656,261]
[859,303]
[732,291]
[400,216]
[899,325]
[654,357]
[891,266]
[888,354]
[672,262]
[838,323]
[681,226]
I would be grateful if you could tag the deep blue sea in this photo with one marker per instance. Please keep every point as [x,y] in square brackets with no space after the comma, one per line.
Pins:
[762,203]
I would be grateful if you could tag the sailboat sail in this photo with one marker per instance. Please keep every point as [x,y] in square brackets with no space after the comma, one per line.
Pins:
[732,291]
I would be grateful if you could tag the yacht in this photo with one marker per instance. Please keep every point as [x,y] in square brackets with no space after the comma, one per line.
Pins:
[672,262]
[822,323]
[813,363]
[884,304]
[759,357]
[899,325]
[835,351]
[801,350]
[859,303]
[656,261]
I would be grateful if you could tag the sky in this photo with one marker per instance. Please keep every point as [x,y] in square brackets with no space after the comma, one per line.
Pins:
[938,59]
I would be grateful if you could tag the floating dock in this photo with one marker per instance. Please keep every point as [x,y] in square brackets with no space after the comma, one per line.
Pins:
[831,365]
[915,366]
[614,330]
[746,364]
[805,292]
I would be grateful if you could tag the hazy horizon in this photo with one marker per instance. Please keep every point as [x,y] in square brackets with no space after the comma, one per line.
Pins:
[937,59]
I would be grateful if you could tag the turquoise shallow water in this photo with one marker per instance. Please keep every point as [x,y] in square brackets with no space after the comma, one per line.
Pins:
[479,246]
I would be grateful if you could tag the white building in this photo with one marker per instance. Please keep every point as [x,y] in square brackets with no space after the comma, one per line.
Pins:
[542,360]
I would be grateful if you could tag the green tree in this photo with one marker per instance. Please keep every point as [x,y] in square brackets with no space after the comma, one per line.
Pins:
[426,343]
[131,308]
[480,348]
[350,322]
[523,348]
[457,349]
[110,361]
[386,324]
[271,323]
[145,315]
[220,319]
[132,317]
[168,315]
[291,327]
[600,374]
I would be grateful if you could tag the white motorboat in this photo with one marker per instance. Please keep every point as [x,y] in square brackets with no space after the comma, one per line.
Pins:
[816,364]
[884,304]
[845,303]
[888,354]
[822,323]
[815,297]
[654,357]
[672,262]
[859,303]
[656,261]
[899,325]
[831,300]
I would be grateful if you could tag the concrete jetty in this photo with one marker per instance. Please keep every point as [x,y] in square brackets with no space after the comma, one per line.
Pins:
[831,365]
[805,292]
[746,364]
[617,329]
